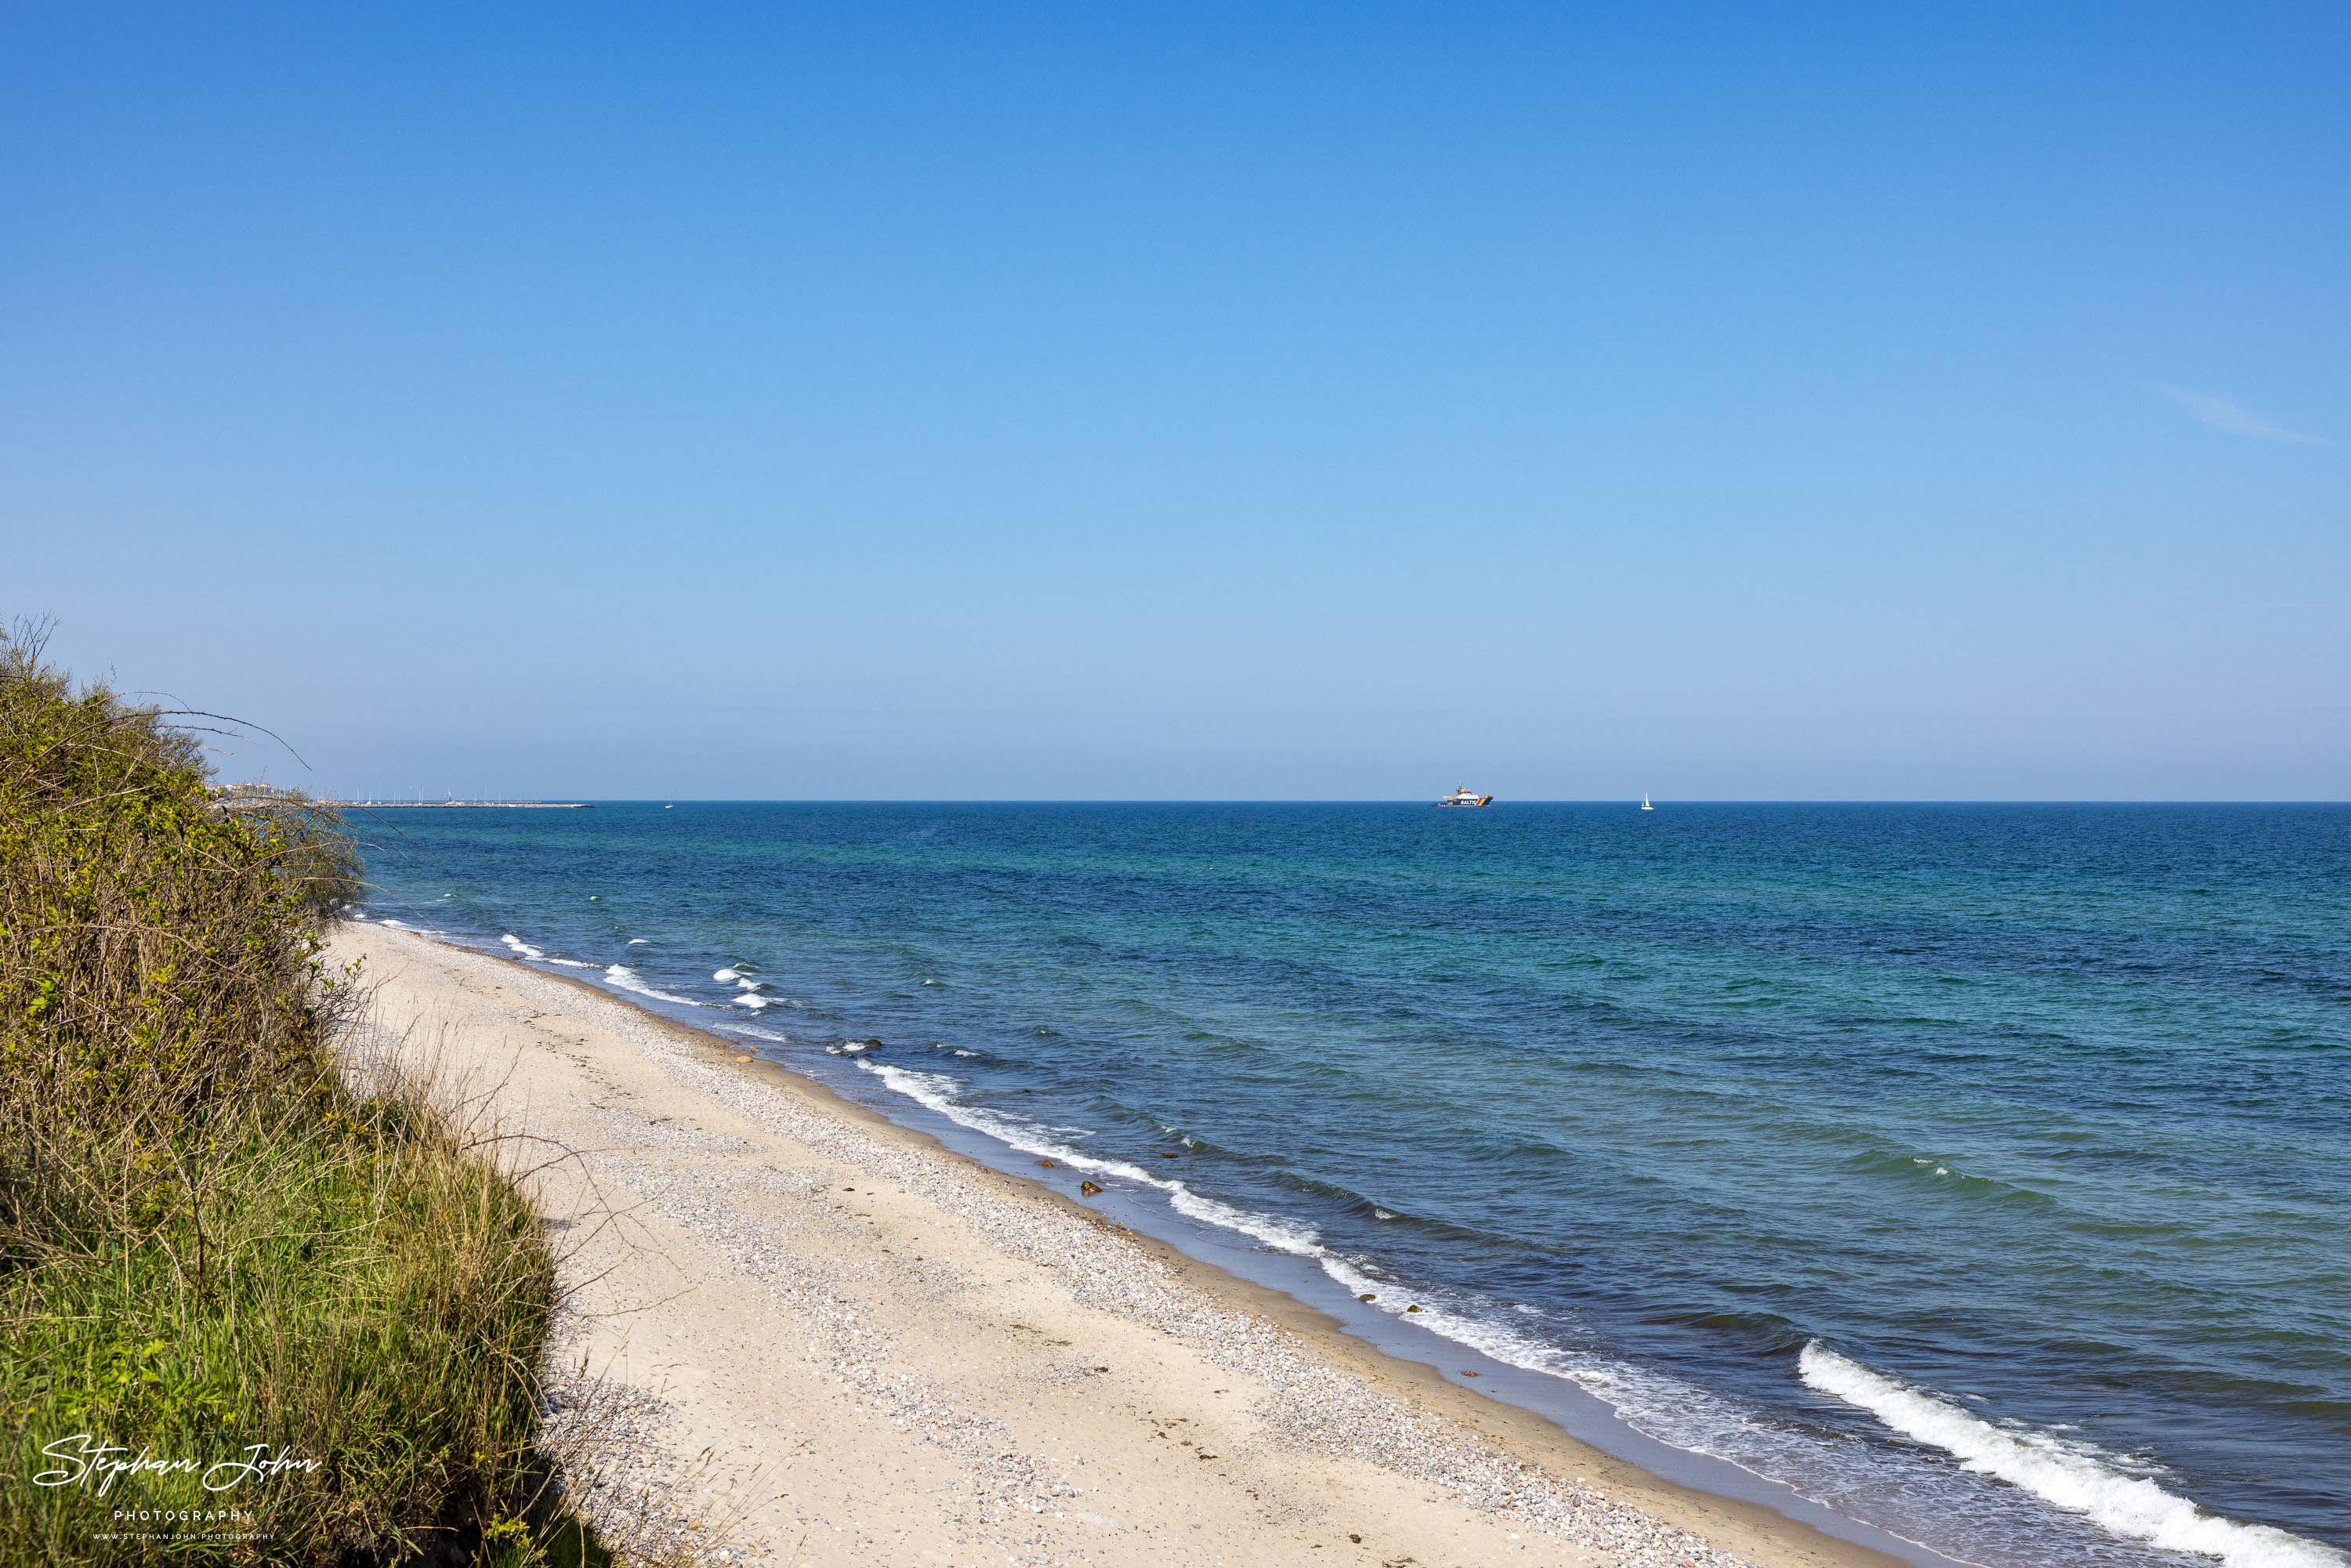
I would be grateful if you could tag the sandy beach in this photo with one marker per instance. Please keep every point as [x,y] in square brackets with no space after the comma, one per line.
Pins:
[801,1334]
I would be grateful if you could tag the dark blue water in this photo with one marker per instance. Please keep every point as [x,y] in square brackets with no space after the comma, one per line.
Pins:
[1980,1170]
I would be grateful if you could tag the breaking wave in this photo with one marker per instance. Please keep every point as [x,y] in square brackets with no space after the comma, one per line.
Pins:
[2073,1476]
[621,974]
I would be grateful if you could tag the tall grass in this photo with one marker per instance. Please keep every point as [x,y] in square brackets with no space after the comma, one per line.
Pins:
[212,1246]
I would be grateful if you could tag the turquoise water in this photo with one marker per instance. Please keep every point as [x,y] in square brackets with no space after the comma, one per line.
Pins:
[1980,1170]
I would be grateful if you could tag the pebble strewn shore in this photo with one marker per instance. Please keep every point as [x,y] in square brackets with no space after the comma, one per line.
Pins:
[1314,1407]
[620,1466]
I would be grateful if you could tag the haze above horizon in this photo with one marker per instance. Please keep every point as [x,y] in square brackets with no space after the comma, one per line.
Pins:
[1043,401]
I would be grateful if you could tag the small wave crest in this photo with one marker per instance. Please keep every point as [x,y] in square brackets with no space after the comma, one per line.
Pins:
[523,949]
[621,974]
[1466,1327]
[937,1092]
[748,988]
[2073,1476]
[1463,1318]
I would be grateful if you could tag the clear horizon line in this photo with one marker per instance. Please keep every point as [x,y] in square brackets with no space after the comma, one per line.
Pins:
[1346,800]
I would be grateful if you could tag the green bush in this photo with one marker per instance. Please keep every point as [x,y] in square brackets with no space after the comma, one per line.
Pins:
[212,1248]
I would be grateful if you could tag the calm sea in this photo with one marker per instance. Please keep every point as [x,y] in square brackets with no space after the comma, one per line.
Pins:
[1981,1171]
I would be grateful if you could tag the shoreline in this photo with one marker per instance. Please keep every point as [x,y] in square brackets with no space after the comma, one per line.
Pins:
[1565,1489]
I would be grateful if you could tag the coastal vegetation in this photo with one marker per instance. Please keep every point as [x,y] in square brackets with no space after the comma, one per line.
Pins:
[254,1306]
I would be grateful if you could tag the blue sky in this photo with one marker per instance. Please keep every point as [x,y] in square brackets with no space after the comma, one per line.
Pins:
[1317,401]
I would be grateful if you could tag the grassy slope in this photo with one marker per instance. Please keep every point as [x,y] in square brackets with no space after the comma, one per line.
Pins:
[207,1240]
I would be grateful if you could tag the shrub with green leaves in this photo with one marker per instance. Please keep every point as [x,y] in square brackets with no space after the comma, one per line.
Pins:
[151,957]
[212,1251]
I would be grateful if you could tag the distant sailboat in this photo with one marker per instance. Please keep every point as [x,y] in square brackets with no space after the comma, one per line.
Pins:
[1644,801]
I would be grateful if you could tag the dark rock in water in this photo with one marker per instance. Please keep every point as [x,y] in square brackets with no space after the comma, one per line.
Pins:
[1411,1309]
[1089,1188]
[1367,1297]
[1046,1164]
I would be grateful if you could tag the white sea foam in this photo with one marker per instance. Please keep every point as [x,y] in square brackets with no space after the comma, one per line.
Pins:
[938,1091]
[753,1030]
[621,974]
[640,941]
[723,976]
[940,1094]
[751,999]
[523,949]
[1282,1235]
[2071,1475]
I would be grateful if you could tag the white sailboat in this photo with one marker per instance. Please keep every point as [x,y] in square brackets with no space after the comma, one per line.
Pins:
[1644,801]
